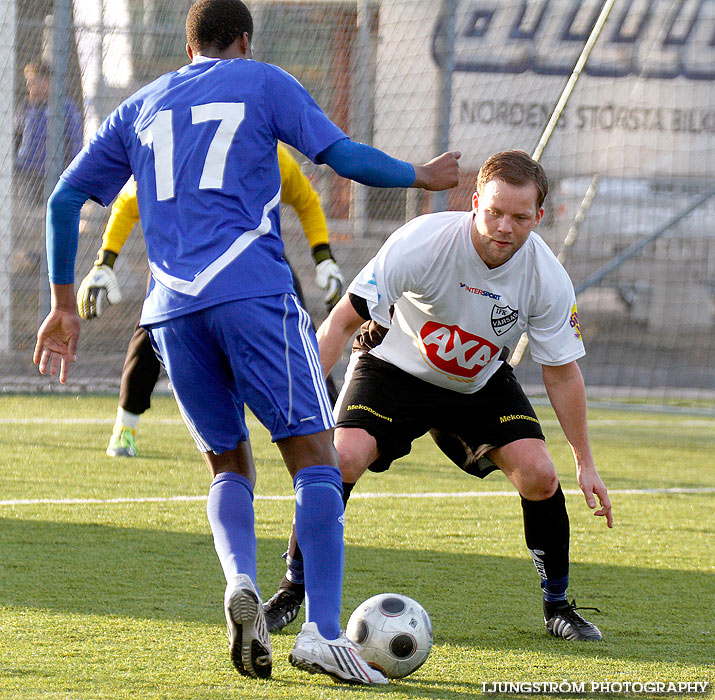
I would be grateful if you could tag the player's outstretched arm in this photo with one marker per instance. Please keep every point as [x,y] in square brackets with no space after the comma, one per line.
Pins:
[565,388]
[335,332]
[371,166]
[57,336]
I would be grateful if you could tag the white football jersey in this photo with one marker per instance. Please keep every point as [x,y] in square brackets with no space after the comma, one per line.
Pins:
[453,315]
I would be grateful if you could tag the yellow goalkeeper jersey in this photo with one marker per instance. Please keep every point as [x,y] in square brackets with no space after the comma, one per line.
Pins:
[296,192]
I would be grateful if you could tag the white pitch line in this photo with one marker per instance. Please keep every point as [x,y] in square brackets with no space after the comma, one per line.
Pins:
[597,422]
[83,421]
[367,495]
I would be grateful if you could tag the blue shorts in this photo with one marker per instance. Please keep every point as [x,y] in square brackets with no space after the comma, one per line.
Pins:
[260,352]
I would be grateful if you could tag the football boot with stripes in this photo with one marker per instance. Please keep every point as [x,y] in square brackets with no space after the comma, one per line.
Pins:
[562,620]
[338,658]
[282,608]
[248,640]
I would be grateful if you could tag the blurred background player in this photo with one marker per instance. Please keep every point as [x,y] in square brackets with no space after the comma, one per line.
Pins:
[31,131]
[141,366]
[30,165]
[221,308]
[442,300]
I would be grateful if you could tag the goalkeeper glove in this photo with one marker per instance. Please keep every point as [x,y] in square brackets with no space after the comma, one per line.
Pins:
[327,274]
[100,283]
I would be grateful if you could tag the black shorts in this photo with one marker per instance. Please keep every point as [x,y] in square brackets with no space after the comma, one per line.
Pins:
[397,408]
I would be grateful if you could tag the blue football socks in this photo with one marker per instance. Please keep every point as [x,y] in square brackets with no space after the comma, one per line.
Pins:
[230,511]
[555,588]
[319,528]
[294,569]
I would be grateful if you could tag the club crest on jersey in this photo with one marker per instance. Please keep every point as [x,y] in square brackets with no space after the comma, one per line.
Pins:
[454,351]
[503,318]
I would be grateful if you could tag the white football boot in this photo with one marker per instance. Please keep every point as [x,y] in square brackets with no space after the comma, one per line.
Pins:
[339,658]
[248,639]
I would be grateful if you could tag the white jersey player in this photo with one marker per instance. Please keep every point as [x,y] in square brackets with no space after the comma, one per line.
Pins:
[451,291]
[449,315]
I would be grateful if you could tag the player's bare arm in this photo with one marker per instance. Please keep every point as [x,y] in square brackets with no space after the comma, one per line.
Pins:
[565,388]
[440,173]
[58,335]
[335,332]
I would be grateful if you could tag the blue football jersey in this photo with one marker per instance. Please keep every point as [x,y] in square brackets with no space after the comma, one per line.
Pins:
[201,144]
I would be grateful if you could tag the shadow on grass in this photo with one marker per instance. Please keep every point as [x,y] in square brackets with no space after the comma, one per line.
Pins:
[95,450]
[475,601]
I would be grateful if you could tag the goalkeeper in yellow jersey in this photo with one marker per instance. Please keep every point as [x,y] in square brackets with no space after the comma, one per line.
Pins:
[141,367]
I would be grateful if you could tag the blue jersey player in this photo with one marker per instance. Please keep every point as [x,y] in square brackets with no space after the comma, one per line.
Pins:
[221,310]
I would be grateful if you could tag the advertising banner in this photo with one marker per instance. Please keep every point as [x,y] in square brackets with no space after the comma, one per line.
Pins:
[644,105]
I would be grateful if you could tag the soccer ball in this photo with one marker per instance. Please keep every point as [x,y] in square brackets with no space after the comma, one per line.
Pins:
[394,633]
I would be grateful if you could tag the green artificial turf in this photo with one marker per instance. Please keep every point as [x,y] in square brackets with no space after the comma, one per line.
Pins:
[110,588]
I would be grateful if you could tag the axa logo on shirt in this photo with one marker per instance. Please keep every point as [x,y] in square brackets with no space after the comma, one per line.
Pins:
[480,292]
[452,350]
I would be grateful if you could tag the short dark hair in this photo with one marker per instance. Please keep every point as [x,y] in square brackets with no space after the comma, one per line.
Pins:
[517,168]
[217,24]
[38,68]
